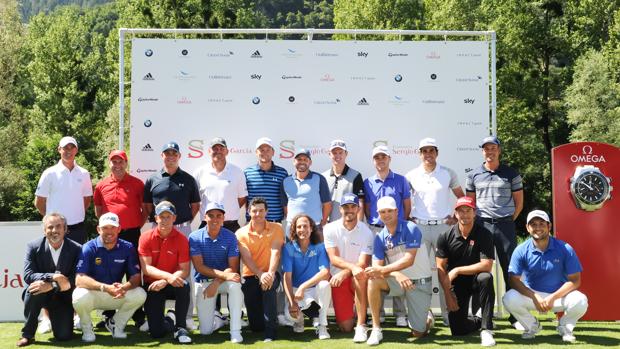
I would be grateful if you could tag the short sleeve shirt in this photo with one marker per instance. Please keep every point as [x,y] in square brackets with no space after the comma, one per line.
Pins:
[166,254]
[432,192]
[266,184]
[259,245]
[461,252]
[303,266]
[65,191]
[349,181]
[305,196]
[350,243]
[392,247]
[494,190]
[223,188]
[394,185]
[179,188]
[544,271]
[214,252]
[108,266]
[122,197]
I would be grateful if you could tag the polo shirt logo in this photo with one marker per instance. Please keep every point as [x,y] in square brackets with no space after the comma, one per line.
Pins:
[471,242]
[98,261]
[181,185]
[170,252]
[312,253]
[119,261]
[556,260]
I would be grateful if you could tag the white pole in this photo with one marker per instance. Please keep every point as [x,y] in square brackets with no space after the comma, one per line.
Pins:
[121,88]
[493,87]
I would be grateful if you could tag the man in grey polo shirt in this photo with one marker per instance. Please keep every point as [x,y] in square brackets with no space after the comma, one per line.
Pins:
[498,191]
[341,179]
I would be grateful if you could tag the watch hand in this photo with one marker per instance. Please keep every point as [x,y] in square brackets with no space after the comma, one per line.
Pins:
[587,186]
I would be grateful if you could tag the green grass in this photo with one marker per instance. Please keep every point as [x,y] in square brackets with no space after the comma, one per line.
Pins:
[589,335]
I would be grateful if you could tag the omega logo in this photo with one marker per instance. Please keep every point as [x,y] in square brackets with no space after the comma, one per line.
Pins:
[587,156]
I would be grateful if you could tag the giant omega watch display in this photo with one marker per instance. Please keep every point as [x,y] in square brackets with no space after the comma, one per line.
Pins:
[590,188]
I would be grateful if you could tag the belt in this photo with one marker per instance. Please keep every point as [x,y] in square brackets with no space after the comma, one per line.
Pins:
[75,225]
[184,224]
[496,220]
[231,221]
[377,225]
[430,222]
[423,281]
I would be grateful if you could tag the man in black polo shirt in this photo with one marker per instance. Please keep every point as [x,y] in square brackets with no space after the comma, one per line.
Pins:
[464,262]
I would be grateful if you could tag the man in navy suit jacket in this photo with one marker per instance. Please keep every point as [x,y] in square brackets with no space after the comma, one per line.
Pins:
[49,271]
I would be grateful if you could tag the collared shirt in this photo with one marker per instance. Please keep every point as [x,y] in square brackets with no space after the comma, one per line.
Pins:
[305,195]
[432,192]
[349,181]
[224,188]
[350,243]
[108,266]
[259,245]
[122,197]
[55,252]
[494,190]
[166,253]
[214,252]
[180,189]
[375,188]
[462,252]
[303,266]
[392,247]
[266,184]
[65,191]
[544,271]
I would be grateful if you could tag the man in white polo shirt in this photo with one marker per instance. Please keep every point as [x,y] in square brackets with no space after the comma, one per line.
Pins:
[432,187]
[66,188]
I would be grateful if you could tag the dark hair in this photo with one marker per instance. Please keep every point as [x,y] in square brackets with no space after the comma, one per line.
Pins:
[257,201]
[315,237]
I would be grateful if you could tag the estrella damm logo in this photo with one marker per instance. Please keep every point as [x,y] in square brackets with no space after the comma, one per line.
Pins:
[98,261]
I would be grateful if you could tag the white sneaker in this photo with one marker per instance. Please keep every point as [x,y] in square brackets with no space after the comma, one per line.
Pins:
[189,324]
[182,336]
[218,323]
[144,327]
[45,326]
[430,320]
[267,340]
[315,322]
[360,334]
[531,333]
[284,321]
[298,326]
[322,332]
[88,335]
[401,321]
[76,322]
[375,337]
[517,325]
[567,334]
[486,338]
[445,319]
[235,337]
[116,331]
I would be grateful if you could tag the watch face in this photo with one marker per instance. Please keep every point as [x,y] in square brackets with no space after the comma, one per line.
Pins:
[591,187]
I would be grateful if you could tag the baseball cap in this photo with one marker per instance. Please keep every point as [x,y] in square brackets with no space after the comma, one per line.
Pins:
[465,201]
[218,141]
[165,206]
[120,153]
[170,146]
[67,140]
[381,149]
[109,219]
[386,202]
[263,140]
[338,143]
[427,142]
[302,151]
[215,206]
[349,198]
[490,139]
[538,214]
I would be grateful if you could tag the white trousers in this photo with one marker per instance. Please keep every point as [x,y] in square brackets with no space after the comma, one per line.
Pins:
[574,305]
[206,306]
[321,294]
[85,301]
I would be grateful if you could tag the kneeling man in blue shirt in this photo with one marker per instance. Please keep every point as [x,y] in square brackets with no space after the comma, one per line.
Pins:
[551,276]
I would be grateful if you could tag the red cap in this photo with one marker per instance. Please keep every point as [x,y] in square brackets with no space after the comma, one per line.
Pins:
[120,153]
[465,201]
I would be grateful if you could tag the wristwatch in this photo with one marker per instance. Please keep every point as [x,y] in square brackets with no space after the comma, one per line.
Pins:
[590,188]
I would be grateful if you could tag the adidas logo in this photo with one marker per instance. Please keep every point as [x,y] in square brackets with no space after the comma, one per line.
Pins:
[147,147]
[256,54]
[148,76]
[362,101]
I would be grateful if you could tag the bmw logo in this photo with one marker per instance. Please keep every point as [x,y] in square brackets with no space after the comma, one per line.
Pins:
[398,78]
[255,100]
[433,76]
[148,52]
[148,123]
[291,99]
[184,52]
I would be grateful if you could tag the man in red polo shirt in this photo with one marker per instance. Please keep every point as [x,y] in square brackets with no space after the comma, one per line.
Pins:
[164,259]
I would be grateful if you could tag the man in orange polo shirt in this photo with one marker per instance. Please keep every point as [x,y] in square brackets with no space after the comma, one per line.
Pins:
[164,258]
[260,243]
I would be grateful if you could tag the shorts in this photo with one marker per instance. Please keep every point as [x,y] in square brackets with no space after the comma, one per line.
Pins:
[343,300]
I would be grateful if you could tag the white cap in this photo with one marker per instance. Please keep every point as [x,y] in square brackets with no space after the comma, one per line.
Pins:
[263,140]
[386,202]
[427,142]
[538,214]
[67,140]
[338,143]
[381,149]
[109,219]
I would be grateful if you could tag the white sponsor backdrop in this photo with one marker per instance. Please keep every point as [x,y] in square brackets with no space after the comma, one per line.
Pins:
[306,93]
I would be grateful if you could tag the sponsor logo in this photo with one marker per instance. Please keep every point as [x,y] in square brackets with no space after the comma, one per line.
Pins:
[405,150]
[10,280]
[147,147]
[327,101]
[433,101]
[148,52]
[184,75]
[287,77]
[470,79]
[363,78]
[398,100]
[220,54]
[148,123]
[290,53]
[220,77]
[98,261]
[398,78]
[433,76]
[184,52]
[147,99]
[476,149]
[468,54]
[256,76]
[587,156]
[287,149]
[146,170]
[363,101]
[327,78]
[148,76]
[469,101]
[325,54]
[397,54]
[219,100]
[256,54]
[362,54]
[469,169]
[433,55]
[184,100]
[469,123]
[291,99]
[255,100]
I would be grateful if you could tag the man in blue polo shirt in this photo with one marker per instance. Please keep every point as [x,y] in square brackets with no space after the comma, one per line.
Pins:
[215,256]
[103,263]
[545,274]
[306,191]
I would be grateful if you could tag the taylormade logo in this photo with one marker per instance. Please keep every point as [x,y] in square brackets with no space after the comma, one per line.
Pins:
[256,54]
[362,101]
